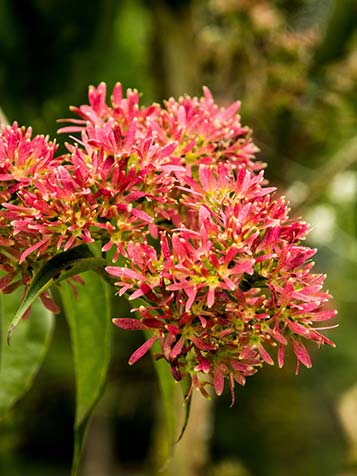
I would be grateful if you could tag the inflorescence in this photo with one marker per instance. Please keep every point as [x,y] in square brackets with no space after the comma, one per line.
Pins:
[201,245]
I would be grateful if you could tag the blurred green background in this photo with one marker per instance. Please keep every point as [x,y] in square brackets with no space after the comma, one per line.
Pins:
[293,64]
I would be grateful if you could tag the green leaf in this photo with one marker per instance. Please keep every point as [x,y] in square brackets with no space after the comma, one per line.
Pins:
[20,362]
[90,327]
[171,393]
[60,267]
[168,389]
[176,400]
[176,406]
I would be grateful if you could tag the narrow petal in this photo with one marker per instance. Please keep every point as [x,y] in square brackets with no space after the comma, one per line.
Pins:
[301,353]
[218,381]
[177,348]
[129,324]
[265,355]
[142,350]
[32,248]
[210,296]
[281,355]
[201,344]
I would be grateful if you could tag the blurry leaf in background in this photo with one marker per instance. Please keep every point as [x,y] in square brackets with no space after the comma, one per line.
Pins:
[20,361]
[50,52]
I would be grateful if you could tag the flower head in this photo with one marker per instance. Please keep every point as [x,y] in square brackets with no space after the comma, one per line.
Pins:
[232,290]
[214,266]
[22,158]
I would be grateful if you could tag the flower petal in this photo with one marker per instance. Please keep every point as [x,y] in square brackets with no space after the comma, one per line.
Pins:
[142,350]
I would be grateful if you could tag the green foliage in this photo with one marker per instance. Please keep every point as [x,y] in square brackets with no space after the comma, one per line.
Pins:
[172,394]
[20,362]
[297,81]
[89,321]
[60,267]
[88,316]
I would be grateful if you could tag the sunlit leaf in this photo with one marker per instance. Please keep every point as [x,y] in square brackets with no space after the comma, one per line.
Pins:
[20,362]
[90,327]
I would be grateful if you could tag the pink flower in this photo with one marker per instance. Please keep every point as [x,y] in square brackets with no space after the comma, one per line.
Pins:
[216,269]
[204,132]
[229,290]
[123,110]
[22,158]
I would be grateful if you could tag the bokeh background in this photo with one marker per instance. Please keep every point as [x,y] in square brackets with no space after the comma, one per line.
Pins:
[293,64]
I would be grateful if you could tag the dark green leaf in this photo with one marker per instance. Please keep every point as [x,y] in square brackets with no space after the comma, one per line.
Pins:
[90,326]
[60,267]
[20,362]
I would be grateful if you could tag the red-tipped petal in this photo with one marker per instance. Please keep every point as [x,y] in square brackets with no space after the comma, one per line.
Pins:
[218,381]
[32,248]
[298,328]
[323,315]
[301,353]
[177,348]
[265,355]
[49,303]
[142,350]
[211,296]
[202,345]
[281,355]
[129,324]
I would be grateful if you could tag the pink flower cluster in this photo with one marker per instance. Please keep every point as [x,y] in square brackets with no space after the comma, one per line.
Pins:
[207,252]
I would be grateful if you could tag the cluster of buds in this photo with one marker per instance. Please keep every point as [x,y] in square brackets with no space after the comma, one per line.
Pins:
[204,249]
